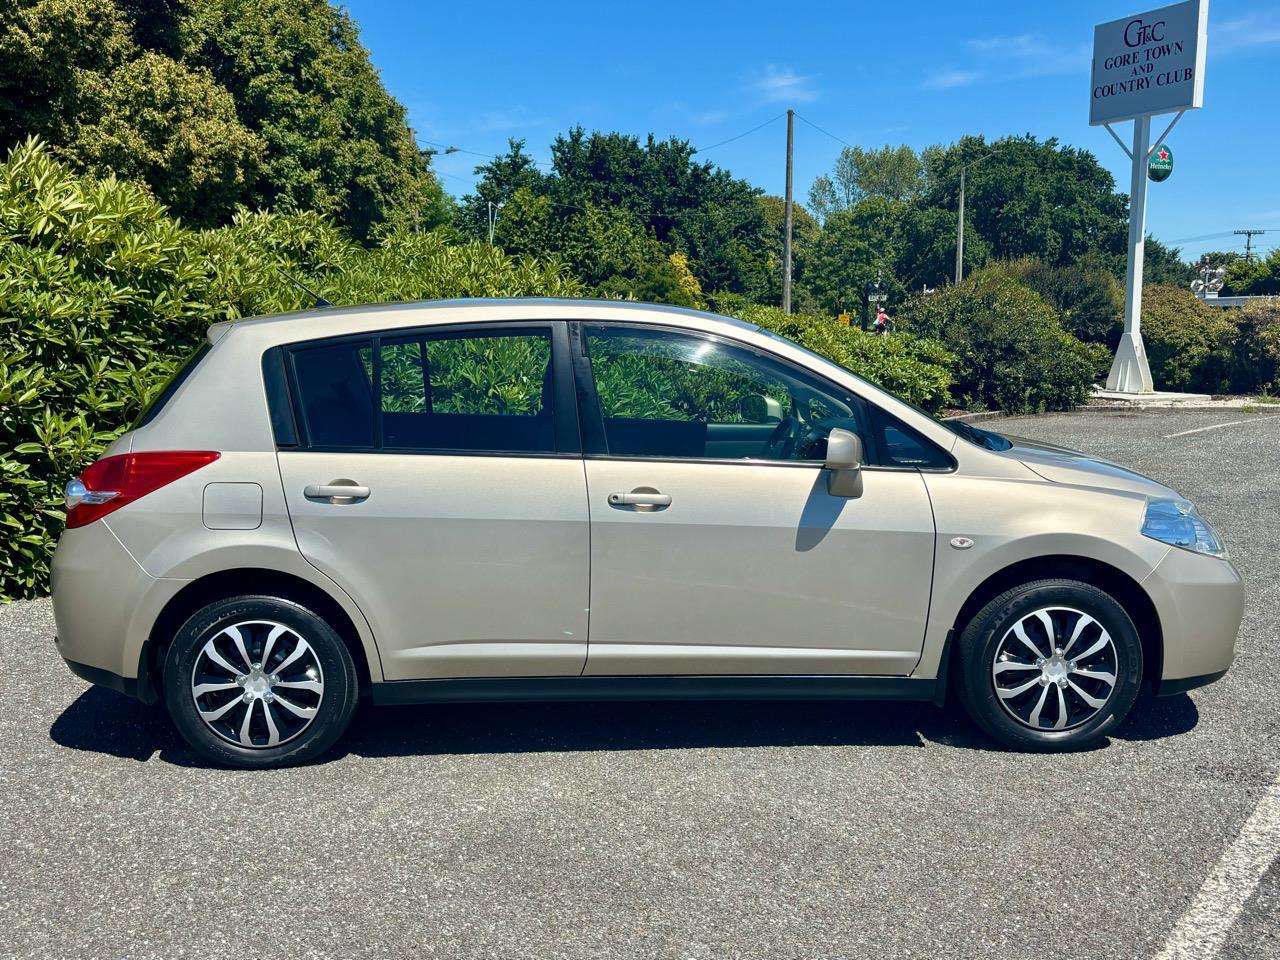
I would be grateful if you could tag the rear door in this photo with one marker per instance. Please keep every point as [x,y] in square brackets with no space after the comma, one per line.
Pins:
[438,479]
[716,547]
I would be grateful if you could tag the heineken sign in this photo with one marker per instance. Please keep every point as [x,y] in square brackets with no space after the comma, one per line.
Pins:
[1161,164]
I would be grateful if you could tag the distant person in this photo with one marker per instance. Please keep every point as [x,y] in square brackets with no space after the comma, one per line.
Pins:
[883,324]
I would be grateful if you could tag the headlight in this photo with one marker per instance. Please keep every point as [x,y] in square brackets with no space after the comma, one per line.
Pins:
[1178,523]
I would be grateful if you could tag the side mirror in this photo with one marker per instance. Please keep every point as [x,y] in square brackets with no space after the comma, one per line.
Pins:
[844,463]
[757,408]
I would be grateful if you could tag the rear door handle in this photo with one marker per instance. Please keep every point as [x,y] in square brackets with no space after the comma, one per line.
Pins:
[337,492]
[640,499]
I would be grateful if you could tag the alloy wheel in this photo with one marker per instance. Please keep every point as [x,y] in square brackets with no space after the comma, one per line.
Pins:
[257,683]
[1055,669]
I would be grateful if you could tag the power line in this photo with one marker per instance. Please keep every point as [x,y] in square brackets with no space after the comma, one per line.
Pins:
[746,133]
[824,132]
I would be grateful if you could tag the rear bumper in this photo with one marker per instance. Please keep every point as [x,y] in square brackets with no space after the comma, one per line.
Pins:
[104,605]
[139,689]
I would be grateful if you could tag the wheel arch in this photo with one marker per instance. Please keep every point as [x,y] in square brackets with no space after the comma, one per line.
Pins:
[244,581]
[1127,592]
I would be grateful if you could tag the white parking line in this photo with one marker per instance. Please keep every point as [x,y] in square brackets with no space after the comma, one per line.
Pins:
[1219,426]
[1203,928]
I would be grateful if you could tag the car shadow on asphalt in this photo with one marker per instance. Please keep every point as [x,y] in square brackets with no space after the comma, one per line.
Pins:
[105,722]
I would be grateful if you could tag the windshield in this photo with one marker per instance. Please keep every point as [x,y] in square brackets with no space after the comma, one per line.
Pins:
[983,438]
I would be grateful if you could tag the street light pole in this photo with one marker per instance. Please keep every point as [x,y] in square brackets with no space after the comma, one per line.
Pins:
[786,219]
[960,233]
[493,217]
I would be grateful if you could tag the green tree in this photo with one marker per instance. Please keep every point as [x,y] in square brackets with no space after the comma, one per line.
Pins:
[336,140]
[269,104]
[657,188]
[1031,198]
[891,173]
[1252,278]
[856,246]
[57,55]
[175,129]
[1165,265]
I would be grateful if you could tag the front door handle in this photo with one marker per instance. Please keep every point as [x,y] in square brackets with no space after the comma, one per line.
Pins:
[339,491]
[640,499]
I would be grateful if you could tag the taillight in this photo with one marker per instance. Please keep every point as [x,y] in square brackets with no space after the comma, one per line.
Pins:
[112,482]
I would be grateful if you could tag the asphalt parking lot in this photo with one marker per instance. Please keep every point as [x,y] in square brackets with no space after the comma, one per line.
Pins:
[673,830]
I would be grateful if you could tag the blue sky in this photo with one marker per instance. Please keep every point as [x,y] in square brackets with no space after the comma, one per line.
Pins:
[866,73]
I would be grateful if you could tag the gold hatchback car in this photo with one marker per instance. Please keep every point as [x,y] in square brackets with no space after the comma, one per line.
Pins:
[575,500]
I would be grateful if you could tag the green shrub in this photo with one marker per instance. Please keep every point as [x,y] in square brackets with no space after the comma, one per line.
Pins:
[1256,348]
[913,368]
[1088,297]
[1012,352]
[102,293]
[1188,343]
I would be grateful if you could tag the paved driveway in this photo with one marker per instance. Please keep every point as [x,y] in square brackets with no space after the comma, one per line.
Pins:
[674,830]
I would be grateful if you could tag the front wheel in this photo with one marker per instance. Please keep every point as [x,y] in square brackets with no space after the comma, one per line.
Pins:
[259,682]
[1051,665]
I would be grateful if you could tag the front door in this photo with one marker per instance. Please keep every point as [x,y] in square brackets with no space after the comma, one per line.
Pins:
[440,483]
[715,546]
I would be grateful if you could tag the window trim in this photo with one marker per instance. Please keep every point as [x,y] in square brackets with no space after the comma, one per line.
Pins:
[564,415]
[589,414]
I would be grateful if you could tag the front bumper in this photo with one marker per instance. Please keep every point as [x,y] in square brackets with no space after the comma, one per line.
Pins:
[1200,602]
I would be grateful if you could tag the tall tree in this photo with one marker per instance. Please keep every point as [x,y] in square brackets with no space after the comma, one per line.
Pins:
[265,103]
[891,173]
[1031,198]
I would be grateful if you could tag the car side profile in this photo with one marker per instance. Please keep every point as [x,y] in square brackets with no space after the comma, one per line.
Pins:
[560,500]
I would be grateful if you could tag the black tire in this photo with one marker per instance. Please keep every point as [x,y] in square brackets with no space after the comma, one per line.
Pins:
[992,634]
[318,672]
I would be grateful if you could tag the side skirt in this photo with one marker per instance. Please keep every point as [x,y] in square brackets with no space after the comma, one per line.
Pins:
[529,689]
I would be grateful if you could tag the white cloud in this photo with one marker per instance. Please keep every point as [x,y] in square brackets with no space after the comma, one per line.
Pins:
[948,78]
[1252,30]
[1032,54]
[778,84]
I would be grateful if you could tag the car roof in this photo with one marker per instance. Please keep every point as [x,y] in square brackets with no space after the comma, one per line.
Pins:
[370,317]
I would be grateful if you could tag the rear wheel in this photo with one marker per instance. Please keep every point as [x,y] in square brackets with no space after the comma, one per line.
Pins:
[1050,665]
[259,682]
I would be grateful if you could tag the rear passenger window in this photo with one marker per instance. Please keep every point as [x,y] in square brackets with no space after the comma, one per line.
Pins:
[490,394]
[336,394]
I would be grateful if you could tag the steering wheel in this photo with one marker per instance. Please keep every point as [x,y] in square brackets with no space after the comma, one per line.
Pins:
[782,441]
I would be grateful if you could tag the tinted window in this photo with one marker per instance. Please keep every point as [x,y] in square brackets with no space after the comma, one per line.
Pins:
[901,446]
[336,394]
[491,394]
[665,394]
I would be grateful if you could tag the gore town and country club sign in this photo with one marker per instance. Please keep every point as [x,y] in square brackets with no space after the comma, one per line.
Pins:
[1150,63]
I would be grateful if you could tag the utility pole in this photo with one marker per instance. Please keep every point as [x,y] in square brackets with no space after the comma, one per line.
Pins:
[786,228]
[1248,242]
[960,233]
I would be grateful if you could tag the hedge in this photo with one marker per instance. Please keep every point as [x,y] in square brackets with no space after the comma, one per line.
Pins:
[102,292]
[1012,351]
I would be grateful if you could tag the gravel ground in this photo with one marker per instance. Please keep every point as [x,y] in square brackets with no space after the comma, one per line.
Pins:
[669,830]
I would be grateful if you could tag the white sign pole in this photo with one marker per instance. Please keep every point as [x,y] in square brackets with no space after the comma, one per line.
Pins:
[1148,64]
[1130,372]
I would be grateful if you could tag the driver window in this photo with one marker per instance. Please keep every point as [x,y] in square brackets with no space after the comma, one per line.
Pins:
[666,394]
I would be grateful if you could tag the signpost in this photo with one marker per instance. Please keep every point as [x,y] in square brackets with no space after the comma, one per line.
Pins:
[1143,66]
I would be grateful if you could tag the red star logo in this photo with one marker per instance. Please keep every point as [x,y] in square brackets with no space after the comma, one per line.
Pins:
[1164,154]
